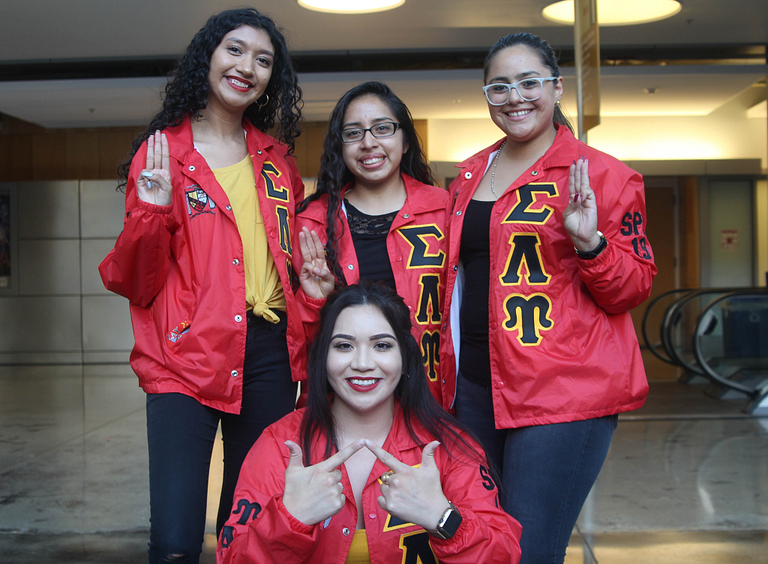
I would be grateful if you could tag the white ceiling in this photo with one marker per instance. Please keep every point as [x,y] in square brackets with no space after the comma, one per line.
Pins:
[33,31]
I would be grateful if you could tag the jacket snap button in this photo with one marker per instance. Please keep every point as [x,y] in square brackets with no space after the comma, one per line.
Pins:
[406,216]
[351,267]
[229,208]
[259,151]
[345,531]
[234,373]
[235,262]
[458,212]
[191,168]
[238,318]
[467,175]
[534,172]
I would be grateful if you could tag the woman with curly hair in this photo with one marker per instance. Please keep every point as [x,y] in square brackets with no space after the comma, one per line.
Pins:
[204,261]
[377,214]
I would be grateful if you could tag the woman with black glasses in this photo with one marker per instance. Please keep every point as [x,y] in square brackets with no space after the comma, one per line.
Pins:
[377,214]
[547,255]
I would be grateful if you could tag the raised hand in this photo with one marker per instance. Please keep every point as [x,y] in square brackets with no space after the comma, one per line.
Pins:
[315,276]
[414,495]
[154,182]
[580,217]
[314,493]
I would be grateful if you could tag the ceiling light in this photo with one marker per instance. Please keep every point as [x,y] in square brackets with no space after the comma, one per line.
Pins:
[350,6]
[617,12]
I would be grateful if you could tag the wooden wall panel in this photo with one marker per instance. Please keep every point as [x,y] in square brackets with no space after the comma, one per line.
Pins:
[82,148]
[29,152]
[49,155]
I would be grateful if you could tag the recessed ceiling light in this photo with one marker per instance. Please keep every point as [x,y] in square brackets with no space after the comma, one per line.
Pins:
[350,6]
[616,12]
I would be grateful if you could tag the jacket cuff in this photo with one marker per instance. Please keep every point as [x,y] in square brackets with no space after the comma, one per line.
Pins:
[154,208]
[295,524]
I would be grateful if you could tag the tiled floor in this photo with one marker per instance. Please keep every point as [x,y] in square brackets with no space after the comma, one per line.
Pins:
[686,479]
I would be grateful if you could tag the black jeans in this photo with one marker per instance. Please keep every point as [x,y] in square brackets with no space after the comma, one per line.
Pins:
[181,433]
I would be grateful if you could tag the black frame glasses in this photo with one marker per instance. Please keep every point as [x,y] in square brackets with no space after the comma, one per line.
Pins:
[377,133]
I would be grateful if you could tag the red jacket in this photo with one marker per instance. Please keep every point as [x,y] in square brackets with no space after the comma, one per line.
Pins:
[562,344]
[181,268]
[261,530]
[417,249]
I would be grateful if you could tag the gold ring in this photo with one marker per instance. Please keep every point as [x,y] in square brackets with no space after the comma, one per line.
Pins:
[385,477]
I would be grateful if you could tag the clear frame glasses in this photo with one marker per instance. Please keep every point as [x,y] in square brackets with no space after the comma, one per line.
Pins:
[529,90]
[383,129]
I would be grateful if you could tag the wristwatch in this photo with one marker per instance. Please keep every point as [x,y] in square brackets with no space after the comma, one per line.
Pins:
[448,523]
[587,255]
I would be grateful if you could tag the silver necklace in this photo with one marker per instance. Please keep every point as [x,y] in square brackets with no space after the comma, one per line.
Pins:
[493,172]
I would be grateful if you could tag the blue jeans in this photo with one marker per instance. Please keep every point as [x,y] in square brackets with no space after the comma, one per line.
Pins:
[547,471]
[181,433]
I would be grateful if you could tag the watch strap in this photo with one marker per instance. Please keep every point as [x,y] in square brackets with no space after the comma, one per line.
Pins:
[594,253]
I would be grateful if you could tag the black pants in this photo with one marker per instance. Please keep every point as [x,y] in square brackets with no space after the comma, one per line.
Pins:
[181,433]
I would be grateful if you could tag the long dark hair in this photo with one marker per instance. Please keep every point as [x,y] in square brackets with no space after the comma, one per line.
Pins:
[334,174]
[187,90]
[545,52]
[416,401]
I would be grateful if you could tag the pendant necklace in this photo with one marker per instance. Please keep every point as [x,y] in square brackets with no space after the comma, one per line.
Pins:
[495,162]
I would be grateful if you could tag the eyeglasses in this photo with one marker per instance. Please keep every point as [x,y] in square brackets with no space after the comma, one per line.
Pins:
[529,89]
[383,129]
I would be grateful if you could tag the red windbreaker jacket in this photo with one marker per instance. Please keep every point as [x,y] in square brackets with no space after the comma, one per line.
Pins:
[181,268]
[260,529]
[417,249]
[562,343]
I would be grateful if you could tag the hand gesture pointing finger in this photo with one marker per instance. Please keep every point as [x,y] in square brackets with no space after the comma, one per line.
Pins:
[314,493]
[414,495]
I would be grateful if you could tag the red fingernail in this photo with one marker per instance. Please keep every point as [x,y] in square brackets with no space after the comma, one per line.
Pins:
[576,197]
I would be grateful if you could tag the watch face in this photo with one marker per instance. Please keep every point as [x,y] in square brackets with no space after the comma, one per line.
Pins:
[451,524]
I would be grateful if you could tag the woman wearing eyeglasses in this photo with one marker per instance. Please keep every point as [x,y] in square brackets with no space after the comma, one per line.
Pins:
[377,215]
[547,255]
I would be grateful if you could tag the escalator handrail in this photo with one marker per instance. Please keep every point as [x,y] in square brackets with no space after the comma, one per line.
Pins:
[671,314]
[644,326]
[708,372]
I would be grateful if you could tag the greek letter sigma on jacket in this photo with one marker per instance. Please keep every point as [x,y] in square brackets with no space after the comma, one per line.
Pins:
[260,528]
[181,268]
[417,249]
[562,343]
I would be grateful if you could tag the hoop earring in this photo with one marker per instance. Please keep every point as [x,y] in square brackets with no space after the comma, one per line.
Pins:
[265,103]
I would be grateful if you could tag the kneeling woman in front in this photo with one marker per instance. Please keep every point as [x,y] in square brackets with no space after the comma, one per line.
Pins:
[318,488]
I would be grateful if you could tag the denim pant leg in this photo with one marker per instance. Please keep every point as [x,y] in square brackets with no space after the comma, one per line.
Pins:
[474,409]
[180,435]
[268,394]
[548,473]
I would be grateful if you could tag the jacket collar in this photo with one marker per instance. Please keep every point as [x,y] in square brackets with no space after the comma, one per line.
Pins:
[182,147]
[413,203]
[566,144]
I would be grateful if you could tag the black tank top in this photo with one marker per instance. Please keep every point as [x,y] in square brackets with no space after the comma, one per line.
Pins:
[475,255]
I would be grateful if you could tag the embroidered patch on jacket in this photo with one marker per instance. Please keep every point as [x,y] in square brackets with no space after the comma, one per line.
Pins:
[178,331]
[198,202]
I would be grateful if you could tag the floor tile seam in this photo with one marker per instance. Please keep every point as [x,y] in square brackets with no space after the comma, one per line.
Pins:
[66,442]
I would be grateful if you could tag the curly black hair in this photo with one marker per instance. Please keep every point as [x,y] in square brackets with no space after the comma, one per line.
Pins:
[545,53]
[187,90]
[334,174]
